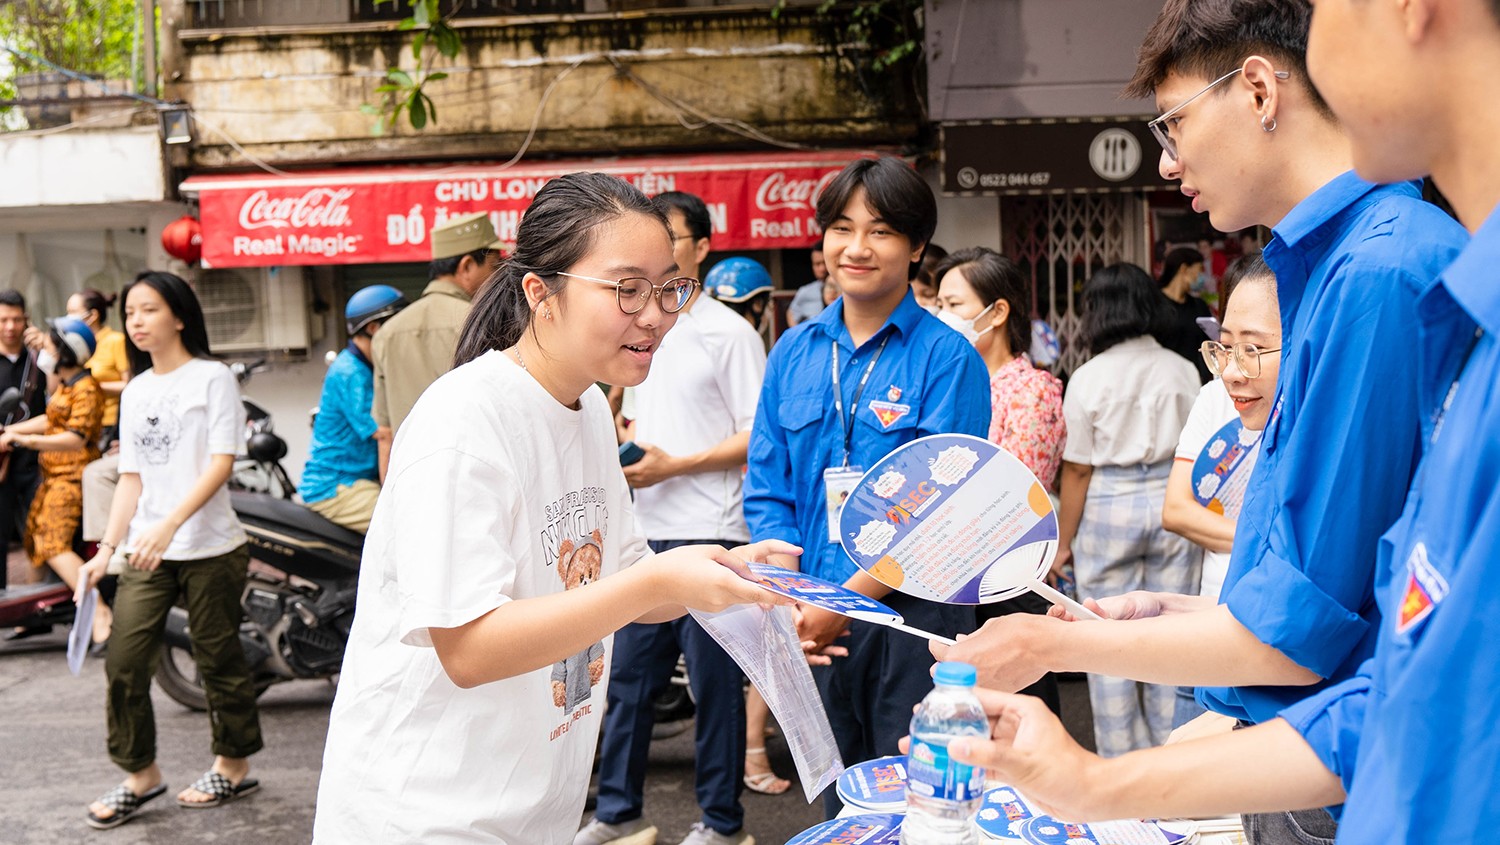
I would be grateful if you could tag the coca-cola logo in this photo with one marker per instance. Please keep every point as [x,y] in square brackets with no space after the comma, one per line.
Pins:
[777,191]
[319,207]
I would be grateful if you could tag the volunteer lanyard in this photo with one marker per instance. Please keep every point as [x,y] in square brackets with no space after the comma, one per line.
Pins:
[838,394]
[1437,422]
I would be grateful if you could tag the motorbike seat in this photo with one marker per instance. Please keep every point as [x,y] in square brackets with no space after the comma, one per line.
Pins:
[289,514]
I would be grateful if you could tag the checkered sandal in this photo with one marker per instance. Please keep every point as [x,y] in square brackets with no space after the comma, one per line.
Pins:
[215,784]
[123,803]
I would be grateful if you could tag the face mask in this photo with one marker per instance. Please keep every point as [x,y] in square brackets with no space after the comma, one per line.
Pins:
[935,310]
[46,361]
[966,327]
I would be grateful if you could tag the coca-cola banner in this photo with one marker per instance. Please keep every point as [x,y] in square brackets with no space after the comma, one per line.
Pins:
[384,214]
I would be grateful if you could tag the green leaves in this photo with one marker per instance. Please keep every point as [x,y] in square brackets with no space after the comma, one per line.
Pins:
[405,91]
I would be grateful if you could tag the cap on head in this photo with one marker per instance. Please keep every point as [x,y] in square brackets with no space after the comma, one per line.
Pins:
[464,234]
[376,302]
[737,279]
[76,337]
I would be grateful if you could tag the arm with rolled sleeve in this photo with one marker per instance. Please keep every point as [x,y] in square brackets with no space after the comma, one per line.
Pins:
[770,502]
[1342,476]
[1331,722]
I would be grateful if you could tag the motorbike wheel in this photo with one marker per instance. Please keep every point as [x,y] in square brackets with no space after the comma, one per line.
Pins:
[178,677]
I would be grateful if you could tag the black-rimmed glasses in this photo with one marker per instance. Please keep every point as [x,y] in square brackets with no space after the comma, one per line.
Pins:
[1163,132]
[1246,356]
[631,293]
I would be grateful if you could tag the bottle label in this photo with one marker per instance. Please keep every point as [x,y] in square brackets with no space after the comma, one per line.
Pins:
[931,773]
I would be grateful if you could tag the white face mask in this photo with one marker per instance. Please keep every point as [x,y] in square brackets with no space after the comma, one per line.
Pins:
[934,310]
[46,361]
[966,327]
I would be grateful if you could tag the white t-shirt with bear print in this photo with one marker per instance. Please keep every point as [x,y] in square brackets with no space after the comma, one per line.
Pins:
[171,425]
[495,492]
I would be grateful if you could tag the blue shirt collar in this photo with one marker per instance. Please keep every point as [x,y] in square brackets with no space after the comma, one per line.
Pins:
[905,318]
[1472,279]
[360,356]
[1320,207]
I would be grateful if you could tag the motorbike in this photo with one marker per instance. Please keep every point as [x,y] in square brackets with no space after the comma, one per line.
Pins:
[299,597]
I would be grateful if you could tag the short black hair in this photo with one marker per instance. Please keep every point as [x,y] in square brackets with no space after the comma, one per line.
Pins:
[1240,270]
[896,194]
[994,278]
[931,258]
[1183,256]
[1210,38]
[13,298]
[693,209]
[1120,302]
[440,267]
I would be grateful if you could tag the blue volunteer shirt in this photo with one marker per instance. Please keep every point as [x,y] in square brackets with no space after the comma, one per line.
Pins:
[1341,444]
[929,380]
[1421,721]
[343,438]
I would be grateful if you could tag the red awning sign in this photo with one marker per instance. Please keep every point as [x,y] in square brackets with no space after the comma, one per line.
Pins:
[384,214]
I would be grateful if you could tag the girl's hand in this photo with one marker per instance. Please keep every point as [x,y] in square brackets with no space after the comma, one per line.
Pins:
[708,578]
[90,574]
[152,544]
[8,440]
[762,551]
[1136,604]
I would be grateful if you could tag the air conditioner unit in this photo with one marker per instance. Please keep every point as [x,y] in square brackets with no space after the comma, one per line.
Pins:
[255,308]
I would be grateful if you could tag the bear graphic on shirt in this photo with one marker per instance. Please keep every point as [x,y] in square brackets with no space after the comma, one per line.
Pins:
[573,679]
[161,430]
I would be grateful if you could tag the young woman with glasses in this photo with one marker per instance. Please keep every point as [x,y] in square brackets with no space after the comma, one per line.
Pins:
[504,553]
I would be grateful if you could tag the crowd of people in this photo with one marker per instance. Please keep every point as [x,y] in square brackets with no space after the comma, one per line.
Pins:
[1305,655]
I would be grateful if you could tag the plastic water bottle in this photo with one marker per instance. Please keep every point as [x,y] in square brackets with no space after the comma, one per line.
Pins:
[942,795]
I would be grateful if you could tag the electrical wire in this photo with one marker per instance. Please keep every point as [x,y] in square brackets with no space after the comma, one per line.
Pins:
[271,169]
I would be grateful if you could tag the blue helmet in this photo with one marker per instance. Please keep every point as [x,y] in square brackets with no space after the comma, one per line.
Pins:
[74,340]
[737,279]
[376,302]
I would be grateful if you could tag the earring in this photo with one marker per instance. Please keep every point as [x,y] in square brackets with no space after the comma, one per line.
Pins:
[547,312]
[1267,127]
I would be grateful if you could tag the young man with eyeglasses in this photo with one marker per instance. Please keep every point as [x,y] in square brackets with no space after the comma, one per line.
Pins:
[1409,746]
[692,418]
[870,373]
[1246,133]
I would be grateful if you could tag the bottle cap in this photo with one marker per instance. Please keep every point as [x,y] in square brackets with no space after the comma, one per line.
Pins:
[954,673]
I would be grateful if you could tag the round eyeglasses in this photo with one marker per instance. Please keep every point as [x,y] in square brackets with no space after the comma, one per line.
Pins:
[1246,356]
[631,293]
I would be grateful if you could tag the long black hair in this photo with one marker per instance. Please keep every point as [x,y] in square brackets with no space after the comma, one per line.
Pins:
[1120,302]
[183,304]
[995,278]
[556,232]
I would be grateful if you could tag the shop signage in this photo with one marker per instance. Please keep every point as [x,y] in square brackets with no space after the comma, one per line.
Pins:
[384,215]
[1049,156]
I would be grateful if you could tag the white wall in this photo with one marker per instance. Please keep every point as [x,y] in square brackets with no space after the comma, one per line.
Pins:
[964,221]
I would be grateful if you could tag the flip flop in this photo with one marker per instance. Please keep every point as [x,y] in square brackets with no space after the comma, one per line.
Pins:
[124,803]
[215,784]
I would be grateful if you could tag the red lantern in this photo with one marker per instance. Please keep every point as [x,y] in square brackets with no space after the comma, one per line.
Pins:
[183,239]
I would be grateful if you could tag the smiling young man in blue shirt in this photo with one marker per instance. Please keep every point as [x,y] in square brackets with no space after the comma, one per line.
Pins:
[871,372]
[1253,143]
[1412,739]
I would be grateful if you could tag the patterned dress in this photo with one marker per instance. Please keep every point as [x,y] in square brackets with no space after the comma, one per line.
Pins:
[1027,417]
[76,406]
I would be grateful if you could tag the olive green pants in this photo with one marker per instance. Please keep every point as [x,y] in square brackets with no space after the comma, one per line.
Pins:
[211,590]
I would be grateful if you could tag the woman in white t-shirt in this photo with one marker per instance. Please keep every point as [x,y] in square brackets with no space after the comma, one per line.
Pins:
[504,553]
[181,424]
[1124,409]
[1249,342]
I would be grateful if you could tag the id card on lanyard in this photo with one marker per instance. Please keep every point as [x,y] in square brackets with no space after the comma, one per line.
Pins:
[840,481]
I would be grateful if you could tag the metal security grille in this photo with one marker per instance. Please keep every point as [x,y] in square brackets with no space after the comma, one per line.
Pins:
[1060,241]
